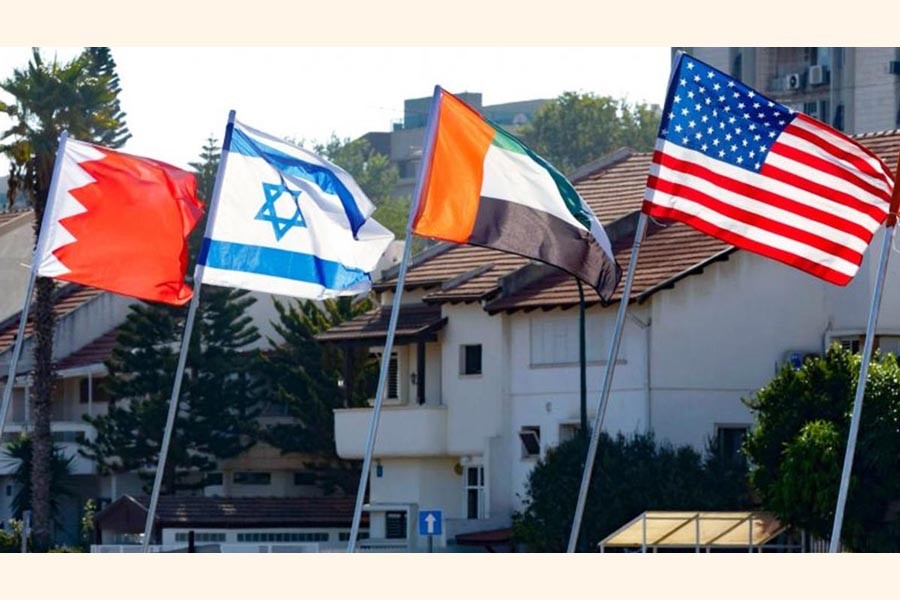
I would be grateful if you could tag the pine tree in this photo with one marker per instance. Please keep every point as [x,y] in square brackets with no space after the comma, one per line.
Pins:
[306,379]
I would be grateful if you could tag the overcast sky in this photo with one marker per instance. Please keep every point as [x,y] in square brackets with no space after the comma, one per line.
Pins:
[176,97]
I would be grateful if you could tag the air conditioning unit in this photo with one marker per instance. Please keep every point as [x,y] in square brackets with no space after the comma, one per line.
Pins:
[817,75]
[793,81]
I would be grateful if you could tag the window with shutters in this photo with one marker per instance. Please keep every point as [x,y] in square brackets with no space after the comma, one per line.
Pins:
[393,380]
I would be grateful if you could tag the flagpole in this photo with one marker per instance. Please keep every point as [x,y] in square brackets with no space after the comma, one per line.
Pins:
[392,326]
[185,345]
[582,357]
[32,276]
[864,367]
[607,383]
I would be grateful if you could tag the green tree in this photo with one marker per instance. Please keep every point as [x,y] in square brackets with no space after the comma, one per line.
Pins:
[305,379]
[22,449]
[631,475]
[374,173]
[576,128]
[797,448]
[220,394]
[80,96]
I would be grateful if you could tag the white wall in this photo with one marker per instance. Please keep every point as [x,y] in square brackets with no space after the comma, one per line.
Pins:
[16,247]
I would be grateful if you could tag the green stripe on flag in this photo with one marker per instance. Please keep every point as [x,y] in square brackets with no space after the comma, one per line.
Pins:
[570,197]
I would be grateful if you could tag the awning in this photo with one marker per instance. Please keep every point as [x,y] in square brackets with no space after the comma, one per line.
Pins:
[696,530]
[415,323]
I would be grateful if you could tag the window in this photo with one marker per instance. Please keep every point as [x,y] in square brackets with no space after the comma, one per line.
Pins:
[568,431]
[395,525]
[853,343]
[531,441]
[252,478]
[304,478]
[203,536]
[729,440]
[213,479]
[889,344]
[68,437]
[470,359]
[474,481]
[554,339]
[99,392]
[393,381]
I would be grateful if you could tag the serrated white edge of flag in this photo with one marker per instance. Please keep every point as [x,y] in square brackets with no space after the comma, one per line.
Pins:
[63,204]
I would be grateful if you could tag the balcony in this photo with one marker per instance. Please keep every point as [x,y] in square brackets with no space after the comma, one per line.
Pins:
[403,431]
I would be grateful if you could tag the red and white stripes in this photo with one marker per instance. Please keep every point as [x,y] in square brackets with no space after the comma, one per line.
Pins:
[814,204]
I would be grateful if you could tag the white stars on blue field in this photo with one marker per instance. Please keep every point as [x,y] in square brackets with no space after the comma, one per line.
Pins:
[717,115]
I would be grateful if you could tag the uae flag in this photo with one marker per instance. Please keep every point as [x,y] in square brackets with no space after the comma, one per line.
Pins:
[482,186]
[119,223]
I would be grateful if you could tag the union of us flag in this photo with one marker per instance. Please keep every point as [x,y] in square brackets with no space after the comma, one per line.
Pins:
[754,173]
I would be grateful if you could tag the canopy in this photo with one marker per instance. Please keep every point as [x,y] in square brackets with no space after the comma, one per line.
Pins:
[696,530]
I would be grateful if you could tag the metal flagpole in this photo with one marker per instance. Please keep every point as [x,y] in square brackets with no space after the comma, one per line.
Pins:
[392,326]
[861,383]
[38,252]
[607,383]
[185,345]
[582,357]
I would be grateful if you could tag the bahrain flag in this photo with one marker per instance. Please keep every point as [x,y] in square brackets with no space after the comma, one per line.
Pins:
[119,223]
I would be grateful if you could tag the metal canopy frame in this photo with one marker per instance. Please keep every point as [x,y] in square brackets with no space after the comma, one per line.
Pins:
[700,531]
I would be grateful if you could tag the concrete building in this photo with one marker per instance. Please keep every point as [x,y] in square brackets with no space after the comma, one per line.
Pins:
[484,375]
[403,144]
[855,90]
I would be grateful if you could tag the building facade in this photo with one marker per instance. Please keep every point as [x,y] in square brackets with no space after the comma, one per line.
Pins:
[485,372]
[855,90]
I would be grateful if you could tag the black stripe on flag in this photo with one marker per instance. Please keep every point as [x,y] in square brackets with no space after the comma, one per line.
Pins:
[518,229]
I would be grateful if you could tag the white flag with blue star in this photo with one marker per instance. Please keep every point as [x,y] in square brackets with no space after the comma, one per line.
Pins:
[288,222]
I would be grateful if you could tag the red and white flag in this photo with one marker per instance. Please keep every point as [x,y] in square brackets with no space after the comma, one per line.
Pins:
[763,177]
[120,223]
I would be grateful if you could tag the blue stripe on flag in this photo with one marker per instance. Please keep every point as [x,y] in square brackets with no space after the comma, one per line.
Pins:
[323,177]
[278,263]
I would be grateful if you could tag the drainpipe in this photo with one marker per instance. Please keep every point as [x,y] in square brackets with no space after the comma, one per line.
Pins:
[648,404]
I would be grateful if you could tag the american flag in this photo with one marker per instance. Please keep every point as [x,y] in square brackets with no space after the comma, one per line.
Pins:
[756,174]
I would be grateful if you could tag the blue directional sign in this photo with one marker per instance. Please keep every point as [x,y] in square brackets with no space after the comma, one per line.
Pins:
[431,522]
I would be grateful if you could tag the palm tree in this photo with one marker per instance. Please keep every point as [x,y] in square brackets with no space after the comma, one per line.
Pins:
[80,96]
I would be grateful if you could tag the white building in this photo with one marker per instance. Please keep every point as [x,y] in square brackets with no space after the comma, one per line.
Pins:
[485,375]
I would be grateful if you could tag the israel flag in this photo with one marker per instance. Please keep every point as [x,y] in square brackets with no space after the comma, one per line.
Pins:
[286,221]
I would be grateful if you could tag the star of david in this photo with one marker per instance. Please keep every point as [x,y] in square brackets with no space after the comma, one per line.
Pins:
[269,212]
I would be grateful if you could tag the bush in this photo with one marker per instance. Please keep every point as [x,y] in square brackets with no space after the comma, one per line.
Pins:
[797,448]
[631,475]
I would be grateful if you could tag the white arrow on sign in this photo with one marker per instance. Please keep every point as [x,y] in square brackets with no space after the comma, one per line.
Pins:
[429,523]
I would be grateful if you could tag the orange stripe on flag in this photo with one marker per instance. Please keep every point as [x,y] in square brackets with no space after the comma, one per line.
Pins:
[451,191]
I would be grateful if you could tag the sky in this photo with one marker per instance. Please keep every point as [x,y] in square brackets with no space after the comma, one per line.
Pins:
[175,98]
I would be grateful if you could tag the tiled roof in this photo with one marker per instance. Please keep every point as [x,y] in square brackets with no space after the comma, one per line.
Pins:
[414,321]
[665,254]
[70,298]
[197,511]
[617,190]
[95,352]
